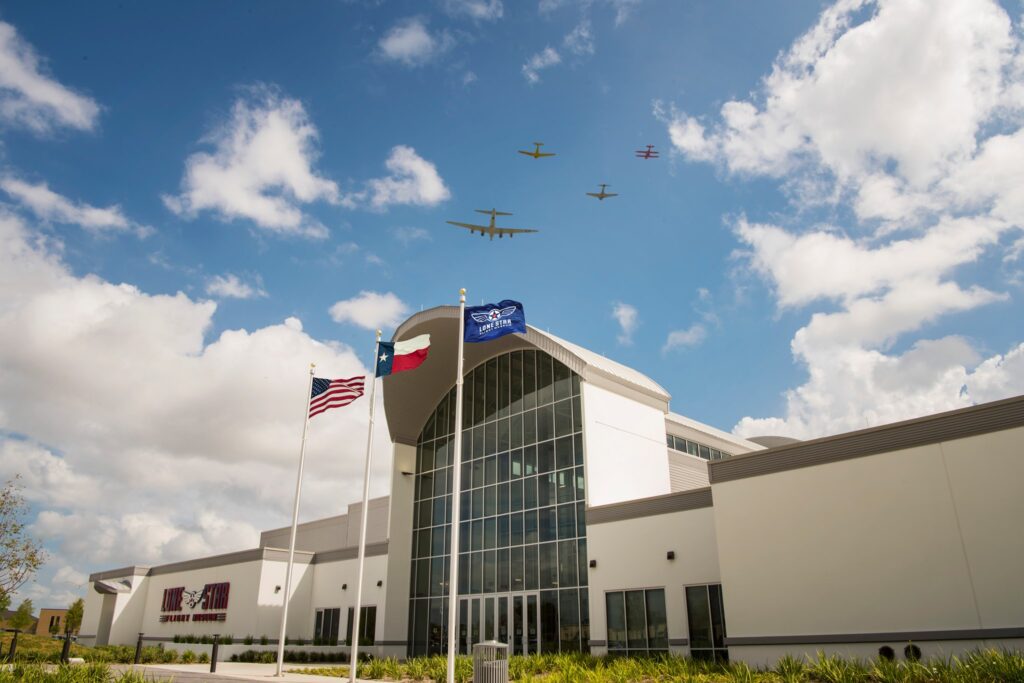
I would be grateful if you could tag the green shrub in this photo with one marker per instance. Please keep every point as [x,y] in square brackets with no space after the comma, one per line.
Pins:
[248,640]
[204,658]
[188,657]
[264,640]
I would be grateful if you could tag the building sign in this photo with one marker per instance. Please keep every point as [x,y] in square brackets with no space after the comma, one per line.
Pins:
[213,596]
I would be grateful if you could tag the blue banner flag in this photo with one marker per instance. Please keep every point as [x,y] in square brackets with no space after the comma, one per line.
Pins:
[490,321]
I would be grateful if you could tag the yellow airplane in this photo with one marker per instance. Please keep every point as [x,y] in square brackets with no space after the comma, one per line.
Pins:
[602,194]
[491,229]
[536,153]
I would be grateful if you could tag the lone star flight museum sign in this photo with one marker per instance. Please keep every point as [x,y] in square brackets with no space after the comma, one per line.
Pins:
[213,596]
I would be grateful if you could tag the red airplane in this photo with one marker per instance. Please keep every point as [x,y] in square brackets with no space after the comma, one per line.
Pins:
[648,153]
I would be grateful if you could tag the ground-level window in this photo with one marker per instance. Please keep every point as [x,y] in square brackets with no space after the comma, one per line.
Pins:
[637,622]
[706,617]
[325,630]
[367,625]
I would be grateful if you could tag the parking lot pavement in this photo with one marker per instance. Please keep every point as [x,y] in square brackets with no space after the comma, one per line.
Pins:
[229,671]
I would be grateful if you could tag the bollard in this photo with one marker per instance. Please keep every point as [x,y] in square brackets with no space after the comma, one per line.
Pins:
[14,645]
[138,650]
[66,650]
[213,655]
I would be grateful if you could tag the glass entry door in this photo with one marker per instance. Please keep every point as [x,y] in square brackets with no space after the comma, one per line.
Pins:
[510,619]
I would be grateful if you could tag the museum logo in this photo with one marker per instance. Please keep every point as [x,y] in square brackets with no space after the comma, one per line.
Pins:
[212,596]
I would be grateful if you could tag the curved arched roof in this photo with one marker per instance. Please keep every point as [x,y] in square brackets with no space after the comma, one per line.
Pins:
[410,397]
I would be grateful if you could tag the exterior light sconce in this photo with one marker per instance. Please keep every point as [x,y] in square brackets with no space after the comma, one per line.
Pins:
[407,474]
[670,555]
[277,589]
[379,583]
[344,586]
[593,563]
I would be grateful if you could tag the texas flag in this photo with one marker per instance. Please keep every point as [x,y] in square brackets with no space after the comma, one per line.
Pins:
[395,357]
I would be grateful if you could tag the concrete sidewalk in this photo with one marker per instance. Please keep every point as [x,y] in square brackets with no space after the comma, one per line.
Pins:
[230,671]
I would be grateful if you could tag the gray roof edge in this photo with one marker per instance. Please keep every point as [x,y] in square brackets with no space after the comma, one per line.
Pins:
[678,501]
[920,431]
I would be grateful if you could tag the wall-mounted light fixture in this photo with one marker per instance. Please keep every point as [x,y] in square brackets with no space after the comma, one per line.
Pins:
[593,563]
[344,586]
[379,583]
[277,589]
[407,474]
[670,555]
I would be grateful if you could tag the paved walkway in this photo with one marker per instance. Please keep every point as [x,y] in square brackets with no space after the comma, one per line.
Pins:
[230,671]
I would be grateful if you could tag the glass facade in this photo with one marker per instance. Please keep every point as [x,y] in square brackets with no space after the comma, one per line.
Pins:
[637,622]
[522,539]
[705,616]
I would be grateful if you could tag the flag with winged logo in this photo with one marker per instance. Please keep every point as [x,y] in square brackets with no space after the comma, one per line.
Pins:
[490,321]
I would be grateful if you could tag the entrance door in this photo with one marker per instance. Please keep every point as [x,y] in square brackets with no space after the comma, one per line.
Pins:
[510,619]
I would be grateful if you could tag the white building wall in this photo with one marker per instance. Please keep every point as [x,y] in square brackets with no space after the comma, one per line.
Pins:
[327,592]
[920,539]
[686,472]
[632,554]
[396,618]
[622,435]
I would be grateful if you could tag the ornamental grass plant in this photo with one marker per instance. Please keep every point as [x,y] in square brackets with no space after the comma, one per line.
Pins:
[982,666]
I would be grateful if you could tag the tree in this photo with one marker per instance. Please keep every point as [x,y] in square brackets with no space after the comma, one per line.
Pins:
[22,618]
[73,619]
[20,554]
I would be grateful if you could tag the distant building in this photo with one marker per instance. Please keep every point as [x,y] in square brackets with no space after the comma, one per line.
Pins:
[595,519]
[6,616]
[50,621]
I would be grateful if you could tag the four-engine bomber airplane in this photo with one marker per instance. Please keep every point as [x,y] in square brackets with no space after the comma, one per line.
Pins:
[491,229]
[536,153]
[648,153]
[602,194]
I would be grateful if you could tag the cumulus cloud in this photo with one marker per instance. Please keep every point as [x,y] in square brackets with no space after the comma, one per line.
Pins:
[148,398]
[926,157]
[371,310]
[580,40]
[544,59]
[410,43]
[627,317]
[479,10]
[409,235]
[230,286]
[50,206]
[31,98]
[260,168]
[413,180]
[692,336]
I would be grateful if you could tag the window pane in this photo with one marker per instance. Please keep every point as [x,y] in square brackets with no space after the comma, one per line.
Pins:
[547,524]
[436,575]
[567,564]
[476,572]
[465,536]
[530,427]
[516,384]
[717,615]
[490,500]
[530,526]
[516,495]
[636,628]
[503,385]
[478,534]
[516,529]
[490,570]
[516,464]
[698,616]
[549,621]
[439,482]
[503,569]
[691,448]
[563,418]
[577,448]
[563,453]
[548,565]
[705,452]
[530,460]
[529,493]
[516,560]
[566,485]
[567,521]
[490,470]
[478,441]
[546,489]
[491,397]
[490,438]
[615,607]
[515,428]
[490,533]
[479,382]
[544,379]
[530,553]
[657,621]
[581,551]
[569,620]
[546,456]
[529,380]
[503,499]
[503,466]
[563,388]
[545,422]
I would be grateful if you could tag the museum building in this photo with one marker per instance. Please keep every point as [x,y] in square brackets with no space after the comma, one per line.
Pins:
[595,519]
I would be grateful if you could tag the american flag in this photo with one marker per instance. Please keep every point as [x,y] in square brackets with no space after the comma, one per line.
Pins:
[334,393]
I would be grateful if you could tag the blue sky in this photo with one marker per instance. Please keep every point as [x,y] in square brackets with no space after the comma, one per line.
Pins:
[831,238]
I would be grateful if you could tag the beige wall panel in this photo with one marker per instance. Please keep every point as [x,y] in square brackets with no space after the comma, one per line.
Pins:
[631,554]
[986,474]
[862,545]
[396,619]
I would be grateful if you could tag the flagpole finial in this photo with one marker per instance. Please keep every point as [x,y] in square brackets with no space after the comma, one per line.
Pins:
[462,295]
[378,335]
[312,367]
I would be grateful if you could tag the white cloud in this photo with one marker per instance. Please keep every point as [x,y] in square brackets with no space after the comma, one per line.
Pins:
[162,443]
[908,114]
[544,59]
[261,168]
[627,317]
[413,180]
[580,40]
[479,10]
[692,336]
[409,235]
[410,43]
[230,286]
[50,206]
[30,98]
[371,310]
[469,78]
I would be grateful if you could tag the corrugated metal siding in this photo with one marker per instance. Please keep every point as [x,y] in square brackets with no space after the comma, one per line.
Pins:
[686,473]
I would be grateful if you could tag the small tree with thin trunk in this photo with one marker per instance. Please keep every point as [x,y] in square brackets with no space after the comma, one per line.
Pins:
[20,554]
[73,619]
[22,617]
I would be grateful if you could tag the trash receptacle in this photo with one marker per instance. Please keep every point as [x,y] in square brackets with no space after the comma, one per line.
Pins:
[490,662]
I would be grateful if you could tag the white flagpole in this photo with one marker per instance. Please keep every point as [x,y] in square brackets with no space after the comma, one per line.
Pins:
[453,574]
[295,524]
[354,635]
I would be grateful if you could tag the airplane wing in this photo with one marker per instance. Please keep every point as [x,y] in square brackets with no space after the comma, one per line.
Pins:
[529,154]
[468,225]
[611,194]
[512,231]
[545,154]
[594,194]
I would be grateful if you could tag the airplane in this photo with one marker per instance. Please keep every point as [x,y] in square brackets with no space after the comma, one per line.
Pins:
[648,153]
[536,153]
[491,229]
[602,194]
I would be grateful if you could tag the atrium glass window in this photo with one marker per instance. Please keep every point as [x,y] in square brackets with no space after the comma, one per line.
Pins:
[522,541]
[637,622]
